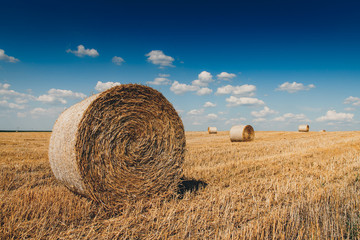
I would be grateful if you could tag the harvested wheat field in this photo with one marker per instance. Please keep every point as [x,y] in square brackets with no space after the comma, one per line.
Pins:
[282,185]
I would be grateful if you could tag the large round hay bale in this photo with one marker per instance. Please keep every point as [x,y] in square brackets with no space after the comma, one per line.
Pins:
[304,128]
[240,133]
[212,130]
[126,143]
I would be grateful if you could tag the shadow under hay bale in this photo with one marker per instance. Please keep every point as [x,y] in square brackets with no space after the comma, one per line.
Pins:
[187,185]
[125,144]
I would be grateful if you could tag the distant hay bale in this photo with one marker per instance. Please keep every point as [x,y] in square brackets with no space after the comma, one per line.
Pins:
[212,130]
[240,133]
[126,143]
[322,130]
[304,128]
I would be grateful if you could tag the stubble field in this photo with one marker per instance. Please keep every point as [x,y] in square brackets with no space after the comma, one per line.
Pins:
[283,185]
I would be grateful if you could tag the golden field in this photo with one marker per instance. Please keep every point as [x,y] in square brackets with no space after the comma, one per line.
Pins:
[283,185]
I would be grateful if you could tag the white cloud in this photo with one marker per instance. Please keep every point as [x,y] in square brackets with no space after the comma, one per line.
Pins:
[226,76]
[212,116]
[332,115]
[7,58]
[204,91]
[247,101]
[179,111]
[235,121]
[349,109]
[118,60]
[355,101]
[6,104]
[257,120]
[21,114]
[291,117]
[247,90]
[180,88]
[160,81]
[4,86]
[209,104]
[164,75]
[102,86]
[82,51]
[19,98]
[157,57]
[51,99]
[294,87]
[263,113]
[204,78]
[60,95]
[38,111]
[196,112]
[48,112]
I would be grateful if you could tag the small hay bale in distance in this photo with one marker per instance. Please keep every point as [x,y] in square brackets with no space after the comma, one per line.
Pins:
[322,130]
[212,130]
[126,143]
[304,128]
[242,133]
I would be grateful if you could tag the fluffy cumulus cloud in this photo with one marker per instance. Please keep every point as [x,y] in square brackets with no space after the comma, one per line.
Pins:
[7,58]
[12,99]
[199,85]
[332,115]
[263,113]
[245,90]
[226,76]
[195,112]
[291,117]
[204,91]
[4,86]
[294,87]
[180,88]
[41,112]
[212,116]
[82,51]
[204,78]
[259,120]
[355,101]
[60,96]
[102,86]
[10,105]
[209,104]
[161,80]
[157,57]
[243,101]
[118,60]
[349,109]
[235,121]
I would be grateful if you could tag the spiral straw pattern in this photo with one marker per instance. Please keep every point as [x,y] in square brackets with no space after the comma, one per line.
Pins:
[129,145]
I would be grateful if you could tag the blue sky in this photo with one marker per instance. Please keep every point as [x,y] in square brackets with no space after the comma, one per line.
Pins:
[271,64]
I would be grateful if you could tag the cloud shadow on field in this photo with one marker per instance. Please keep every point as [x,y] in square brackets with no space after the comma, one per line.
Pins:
[190,185]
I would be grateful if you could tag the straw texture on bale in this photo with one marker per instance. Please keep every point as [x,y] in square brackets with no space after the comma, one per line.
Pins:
[126,143]
[212,130]
[240,133]
[304,128]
